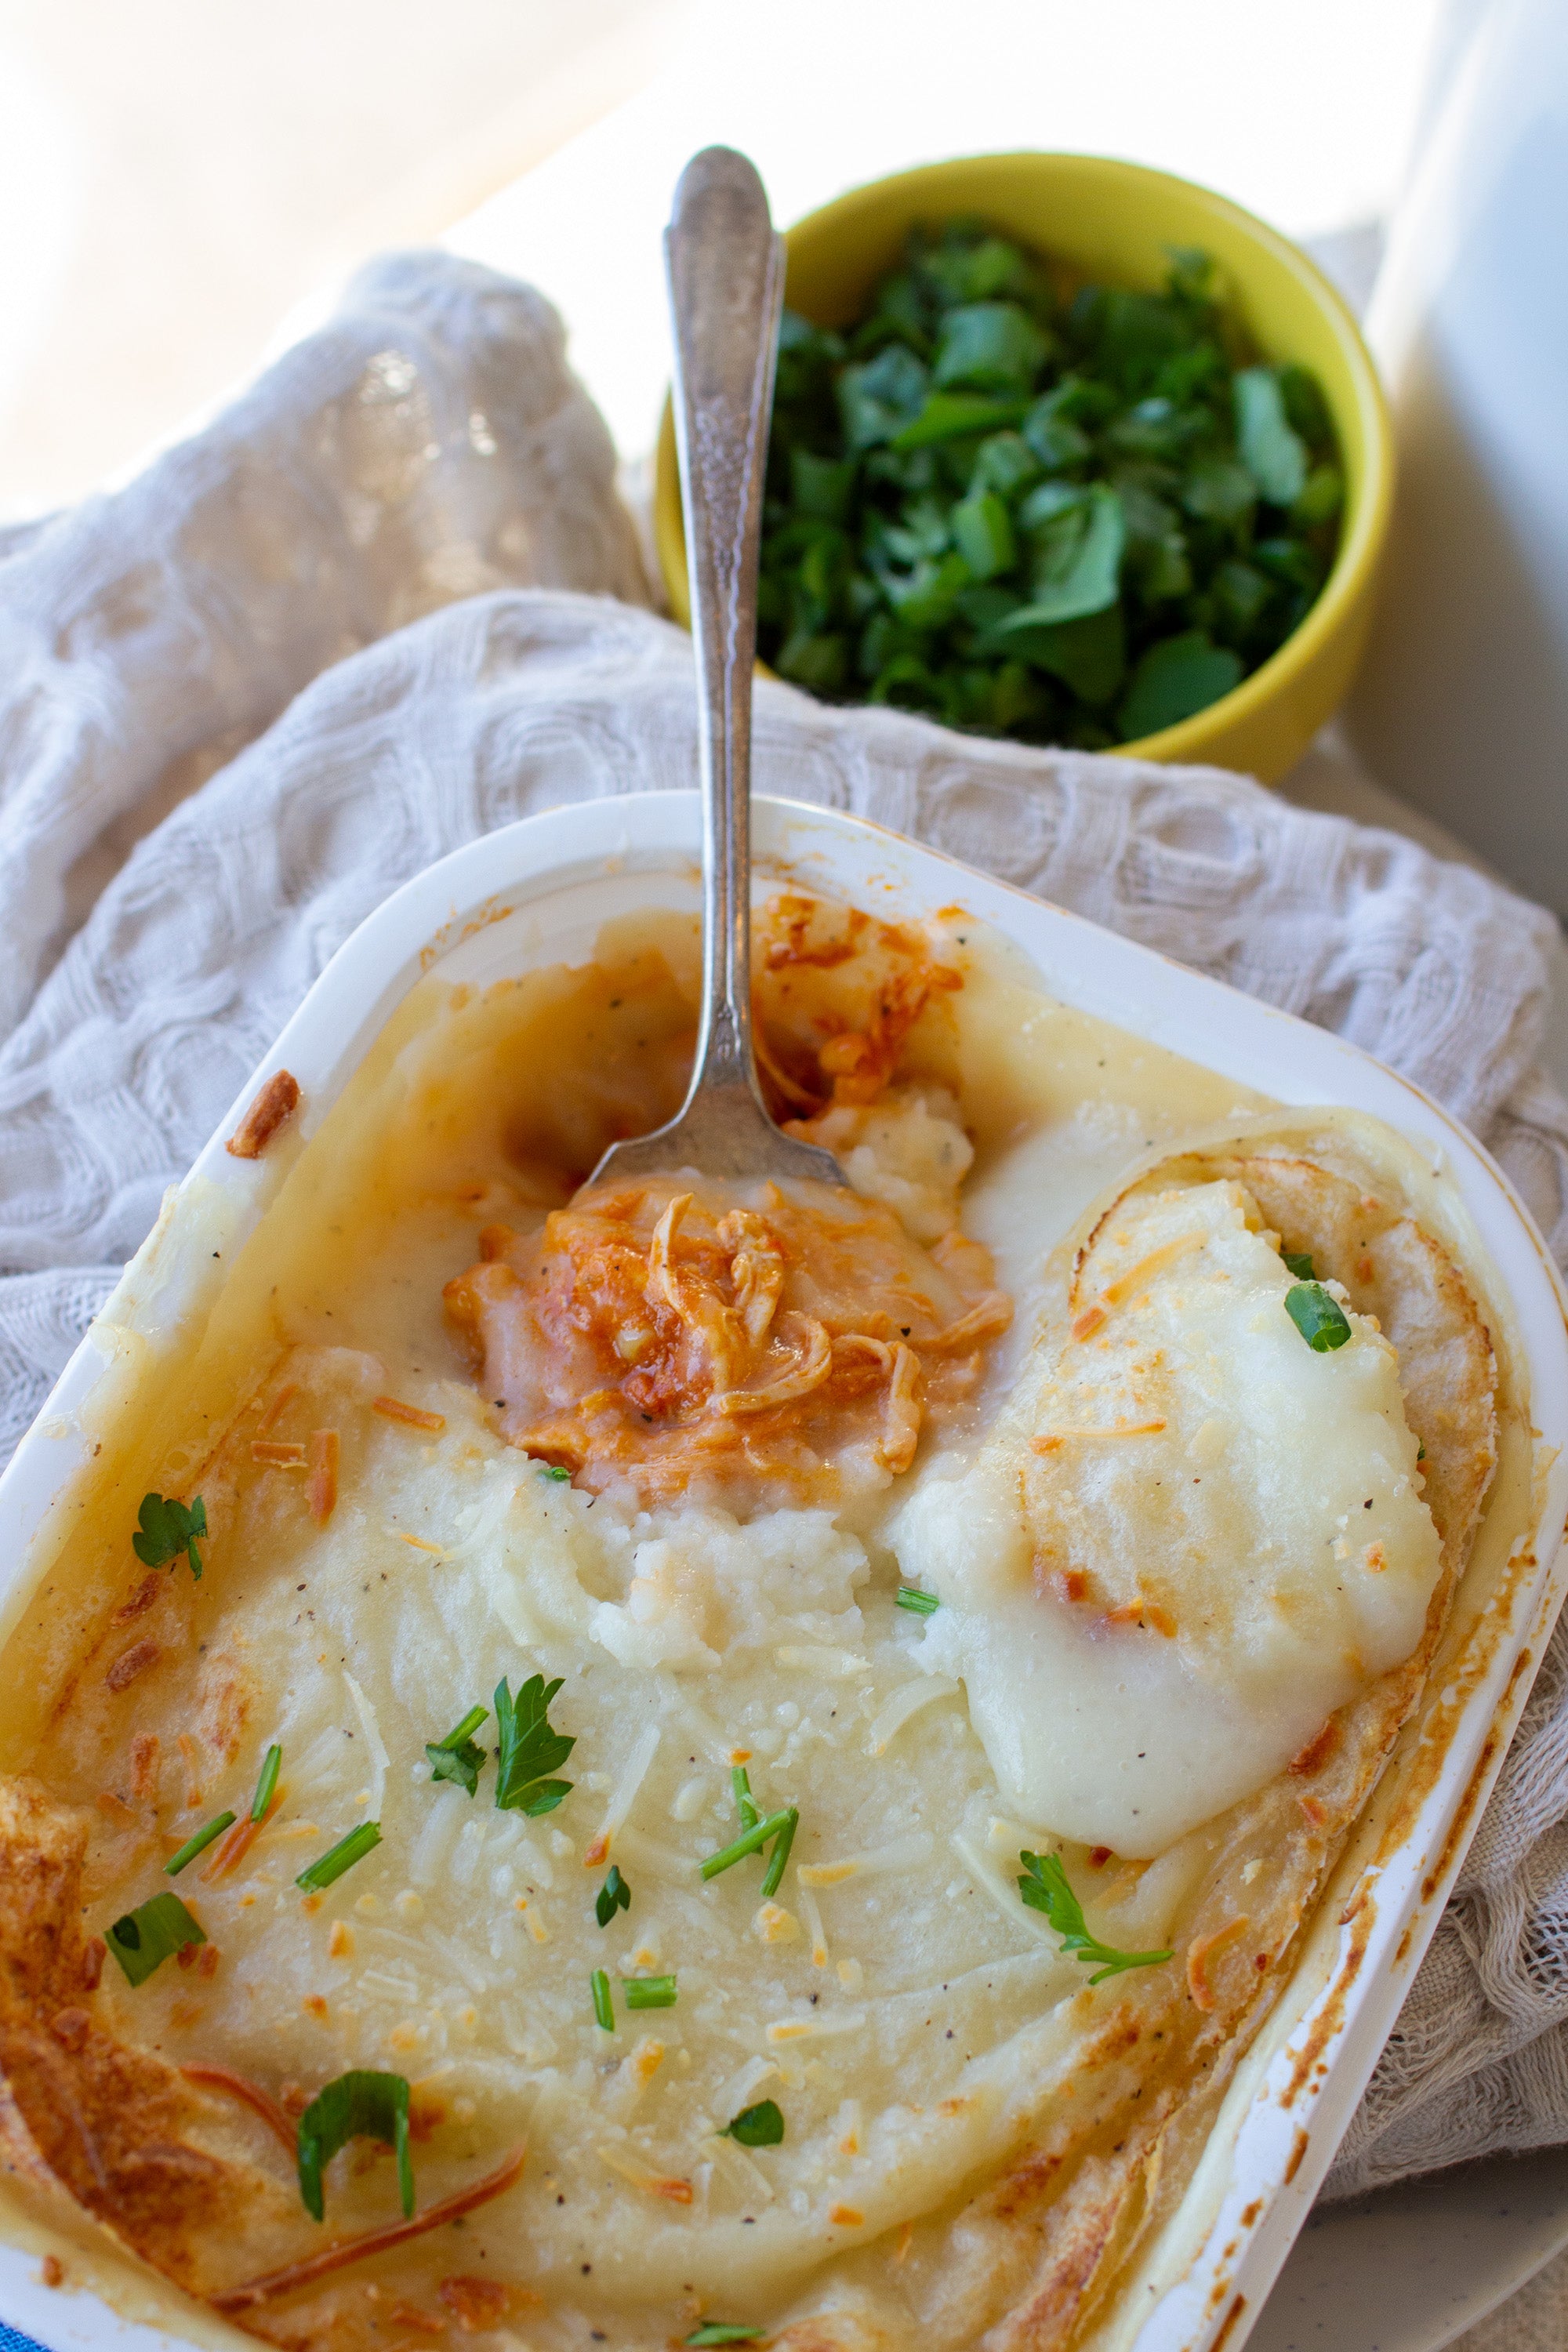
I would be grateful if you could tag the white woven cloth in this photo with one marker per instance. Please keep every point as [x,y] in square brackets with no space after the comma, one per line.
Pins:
[325,641]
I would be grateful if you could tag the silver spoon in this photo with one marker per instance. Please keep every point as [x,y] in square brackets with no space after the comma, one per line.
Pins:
[726,289]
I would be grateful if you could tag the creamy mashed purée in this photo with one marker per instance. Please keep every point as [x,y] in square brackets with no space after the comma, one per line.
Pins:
[677,1449]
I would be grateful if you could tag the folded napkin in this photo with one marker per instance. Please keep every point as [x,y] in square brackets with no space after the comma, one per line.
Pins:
[388,602]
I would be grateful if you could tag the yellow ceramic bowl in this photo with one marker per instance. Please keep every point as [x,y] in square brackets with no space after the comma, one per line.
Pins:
[1113,221]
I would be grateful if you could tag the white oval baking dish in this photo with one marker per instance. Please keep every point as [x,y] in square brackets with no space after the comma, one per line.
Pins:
[538,892]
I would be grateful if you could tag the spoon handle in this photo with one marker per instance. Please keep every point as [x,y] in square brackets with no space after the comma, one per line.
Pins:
[725,268]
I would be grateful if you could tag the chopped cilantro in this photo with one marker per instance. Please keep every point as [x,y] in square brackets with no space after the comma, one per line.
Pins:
[456,1758]
[909,1596]
[1045,1888]
[759,2126]
[144,1939]
[357,2105]
[604,2007]
[1067,520]
[167,1529]
[267,1783]
[648,1992]
[338,1858]
[1318,1315]
[197,1844]
[530,1748]
[612,1896]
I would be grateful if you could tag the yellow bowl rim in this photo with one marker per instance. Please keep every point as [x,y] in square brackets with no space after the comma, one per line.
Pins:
[1361,543]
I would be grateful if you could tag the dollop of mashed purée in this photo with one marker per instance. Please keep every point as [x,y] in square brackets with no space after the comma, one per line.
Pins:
[695,1622]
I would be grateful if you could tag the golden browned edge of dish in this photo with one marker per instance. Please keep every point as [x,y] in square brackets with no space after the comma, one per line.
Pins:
[175,1287]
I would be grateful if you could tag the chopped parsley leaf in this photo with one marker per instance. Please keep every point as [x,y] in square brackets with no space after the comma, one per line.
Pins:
[1318,1318]
[338,1858]
[759,2126]
[167,1529]
[144,1939]
[197,1844]
[530,1748]
[1045,1888]
[612,1896]
[909,1596]
[359,2105]
[456,1758]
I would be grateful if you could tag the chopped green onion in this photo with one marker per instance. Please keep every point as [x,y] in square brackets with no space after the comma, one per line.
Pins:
[780,1857]
[555,1470]
[909,1596]
[612,1896]
[340,1857]
[267,1783]
[144,1939]
[1320,1318]
[360,2104]
[603,2008]
[1299,1264]
[719,2331]
[456,1758]
[750,1842]
[759,2126]
[197,1844]
[741,1783]
[648,1992]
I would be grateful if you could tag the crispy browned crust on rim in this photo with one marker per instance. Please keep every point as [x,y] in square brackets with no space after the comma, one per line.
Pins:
[109,2123]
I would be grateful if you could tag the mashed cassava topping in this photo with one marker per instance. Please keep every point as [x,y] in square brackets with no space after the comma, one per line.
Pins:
[706,1762]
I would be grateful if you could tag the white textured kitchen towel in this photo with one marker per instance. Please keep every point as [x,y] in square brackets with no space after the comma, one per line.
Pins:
[331,637]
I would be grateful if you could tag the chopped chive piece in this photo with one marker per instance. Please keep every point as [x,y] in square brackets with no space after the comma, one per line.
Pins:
[144,1939]
[169,1528]
[197,1844]
[555,1470]
[759,2126]
[529,1747]
[750,1842]
[340,1857]
[1301,1266]
[1320,1318]
[612,1896]
[1421,1454]
[456,1758]
[648,1992]
[603,2008]
[267,1783]
[359,2105]
[1045,1888]
[780,1856]
[909,1596]
[719,2331]
[740,1782]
